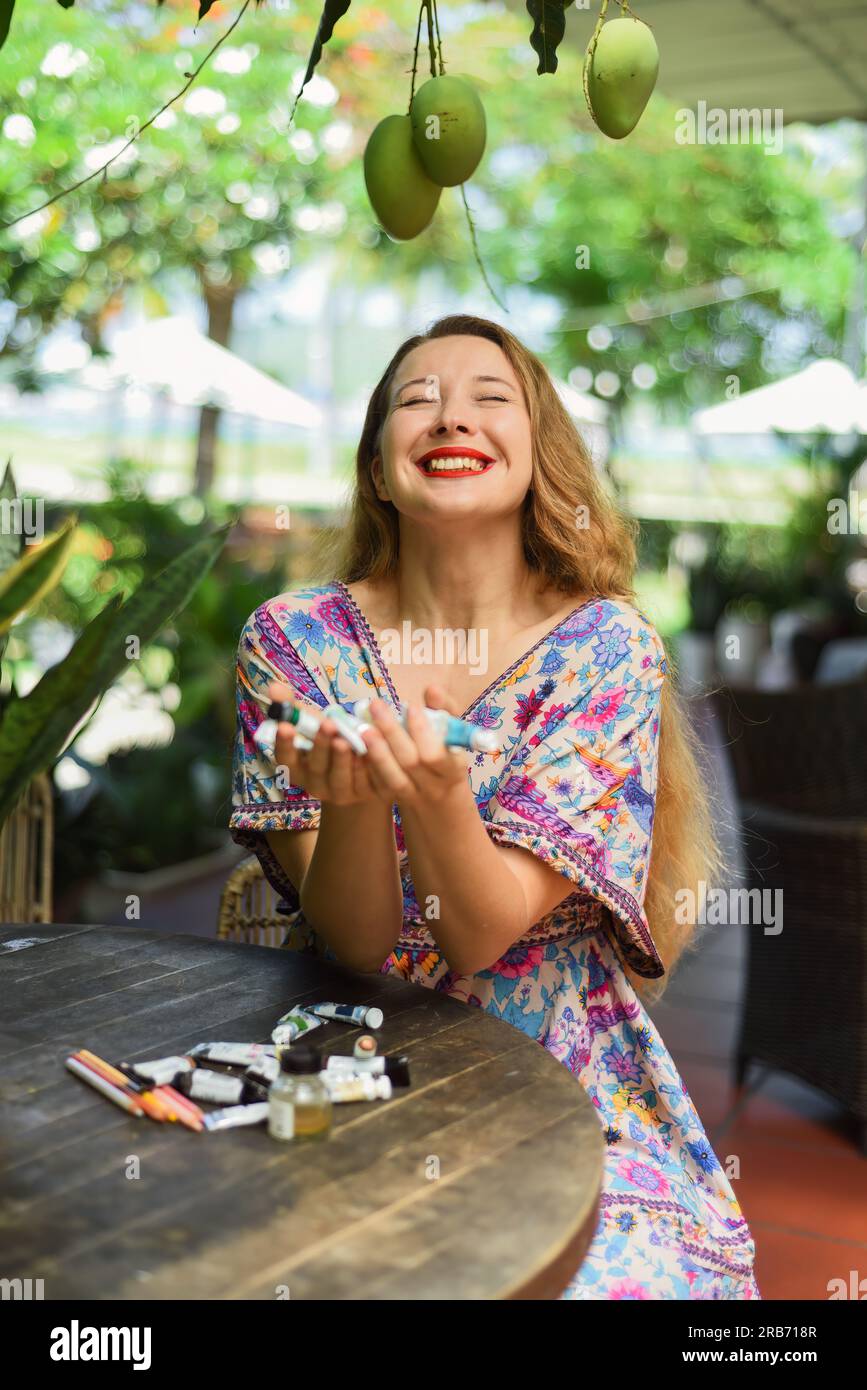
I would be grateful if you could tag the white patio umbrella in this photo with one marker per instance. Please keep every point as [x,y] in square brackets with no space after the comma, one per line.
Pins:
[590,414]
[171,355]
[824,396]
[583,409]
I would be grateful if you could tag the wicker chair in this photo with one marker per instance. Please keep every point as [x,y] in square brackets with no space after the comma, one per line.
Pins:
[248,908]
[26,849]
[800,765]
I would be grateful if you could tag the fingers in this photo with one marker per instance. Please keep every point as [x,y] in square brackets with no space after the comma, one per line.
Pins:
[437,697]
[329,771]
[319,757]
[386,775]
[386,753]
[341,779]
[428,742]
[398,740]
[278,690]
[406,763]
[299,763]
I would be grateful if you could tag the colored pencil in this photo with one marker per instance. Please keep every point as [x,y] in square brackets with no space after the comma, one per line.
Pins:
[188,1113]
[107,1088]
[118,1077]
[153,1107]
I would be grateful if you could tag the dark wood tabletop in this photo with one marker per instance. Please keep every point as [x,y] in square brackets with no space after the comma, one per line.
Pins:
[479,1181]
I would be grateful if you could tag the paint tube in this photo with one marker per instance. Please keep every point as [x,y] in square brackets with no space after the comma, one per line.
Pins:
[294,1025]
[234,1115]
[163,1070]
[347,1088]
[365,1046]
[349,729]
[455,733]
[217,1086]
[233,1054]
[395,1068]
[359,1015]
[282,712]
[266,1070]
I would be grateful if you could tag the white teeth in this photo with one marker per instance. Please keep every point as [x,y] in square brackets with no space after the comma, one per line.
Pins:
[452,465]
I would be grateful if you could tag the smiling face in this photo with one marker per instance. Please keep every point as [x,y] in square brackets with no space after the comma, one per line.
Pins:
[456,438]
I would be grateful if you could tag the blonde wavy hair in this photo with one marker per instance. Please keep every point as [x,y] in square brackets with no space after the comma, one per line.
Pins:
[596,560]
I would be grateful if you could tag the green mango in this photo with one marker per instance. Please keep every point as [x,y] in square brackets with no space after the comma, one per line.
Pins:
[620,75]
[400,192]
[448,127]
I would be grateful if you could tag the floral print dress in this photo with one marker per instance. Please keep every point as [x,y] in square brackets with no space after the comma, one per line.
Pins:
[580,710]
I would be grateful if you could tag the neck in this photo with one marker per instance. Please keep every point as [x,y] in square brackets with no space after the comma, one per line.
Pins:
[466,578]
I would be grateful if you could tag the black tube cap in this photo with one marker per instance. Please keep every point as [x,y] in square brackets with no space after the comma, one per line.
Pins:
[397,1070]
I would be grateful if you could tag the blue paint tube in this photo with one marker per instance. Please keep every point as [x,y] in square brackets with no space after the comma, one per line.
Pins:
[359,1015]
[455,733]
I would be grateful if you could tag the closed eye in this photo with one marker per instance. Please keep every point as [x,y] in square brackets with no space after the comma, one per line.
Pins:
[434,400]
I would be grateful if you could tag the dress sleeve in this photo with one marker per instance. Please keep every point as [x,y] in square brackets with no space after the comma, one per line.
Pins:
[579,790]
[262,800]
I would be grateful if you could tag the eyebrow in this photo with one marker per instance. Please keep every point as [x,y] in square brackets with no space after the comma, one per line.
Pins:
[422,380]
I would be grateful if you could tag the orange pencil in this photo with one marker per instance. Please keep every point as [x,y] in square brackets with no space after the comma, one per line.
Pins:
[188,1113]
[151,1104]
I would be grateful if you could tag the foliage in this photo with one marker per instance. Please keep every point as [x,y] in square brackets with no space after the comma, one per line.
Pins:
[150,807]
[35,727]
[760,571]
[698,255]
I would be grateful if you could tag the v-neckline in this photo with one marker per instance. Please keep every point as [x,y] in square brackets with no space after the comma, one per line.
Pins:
[370,638]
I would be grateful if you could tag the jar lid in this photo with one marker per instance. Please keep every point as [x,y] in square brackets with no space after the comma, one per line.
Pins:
[302,1059]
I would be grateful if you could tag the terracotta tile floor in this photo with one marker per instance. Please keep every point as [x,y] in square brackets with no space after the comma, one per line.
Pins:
[803,1181]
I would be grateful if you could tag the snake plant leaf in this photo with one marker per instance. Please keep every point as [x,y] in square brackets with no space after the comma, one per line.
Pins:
[331,12]
[34,574]
[549,26]
[6,8]
[35,729]
[11,539]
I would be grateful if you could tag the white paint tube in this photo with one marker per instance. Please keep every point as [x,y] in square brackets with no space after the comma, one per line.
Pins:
[234,1115]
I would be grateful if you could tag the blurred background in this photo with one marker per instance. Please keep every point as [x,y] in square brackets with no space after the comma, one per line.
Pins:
[193,336]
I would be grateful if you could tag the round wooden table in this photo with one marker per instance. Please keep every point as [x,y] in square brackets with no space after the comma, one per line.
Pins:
[479,1181]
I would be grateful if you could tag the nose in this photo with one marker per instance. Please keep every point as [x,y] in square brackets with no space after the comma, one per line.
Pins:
[451,421]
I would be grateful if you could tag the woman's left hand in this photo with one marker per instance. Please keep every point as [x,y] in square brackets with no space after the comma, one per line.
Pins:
[413,766]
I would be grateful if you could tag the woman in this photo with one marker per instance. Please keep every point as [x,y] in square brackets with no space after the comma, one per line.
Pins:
[520,881]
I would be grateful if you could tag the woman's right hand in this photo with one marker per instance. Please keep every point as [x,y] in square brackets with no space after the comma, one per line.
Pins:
[330,772]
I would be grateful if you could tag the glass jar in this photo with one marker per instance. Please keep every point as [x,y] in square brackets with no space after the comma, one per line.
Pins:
[299,1105]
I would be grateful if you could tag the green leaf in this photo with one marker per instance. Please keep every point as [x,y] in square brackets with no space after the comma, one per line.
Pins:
[332,11]
[549,26]
[204,6]
[36,728]
[11,542]
[67,4]
[34,574]
[6,8]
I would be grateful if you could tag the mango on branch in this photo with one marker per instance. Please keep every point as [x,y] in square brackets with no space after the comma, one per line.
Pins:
[448,128]
[620,73]
[400,192]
